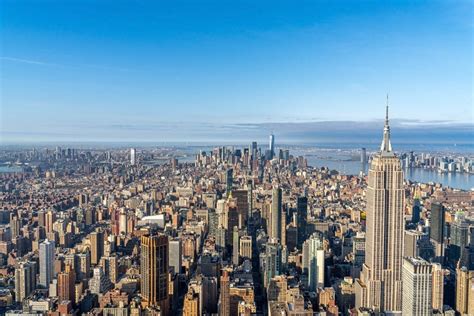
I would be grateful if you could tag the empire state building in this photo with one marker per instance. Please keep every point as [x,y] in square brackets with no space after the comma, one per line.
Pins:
[380,285]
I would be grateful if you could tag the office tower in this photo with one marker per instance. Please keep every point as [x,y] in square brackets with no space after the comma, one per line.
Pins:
[272,260]
[242,201]
[175,254]
[154,270]
[246,247]
[25,280]
[275,223]
[41,218]
[358,249]
[459,239]
[15,225]
[313,261]
[416,210]
[229,180]
[46,262]
[66,280]
[271,147]
[380,284]
[302,210]
[213,222]
[411,249]
[235,246]
[133,156]
[249,199]
[465,285]
[438,287]
[437,222]
[191,303]
[417,287]
[224,298]
[363,155]
[97,246]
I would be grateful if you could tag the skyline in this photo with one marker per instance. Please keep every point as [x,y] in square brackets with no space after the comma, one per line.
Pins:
[110,71]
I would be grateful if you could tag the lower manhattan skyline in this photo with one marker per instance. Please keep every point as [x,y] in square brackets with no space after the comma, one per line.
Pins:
[215,158]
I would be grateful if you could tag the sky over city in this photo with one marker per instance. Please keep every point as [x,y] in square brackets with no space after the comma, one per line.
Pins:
[233,70]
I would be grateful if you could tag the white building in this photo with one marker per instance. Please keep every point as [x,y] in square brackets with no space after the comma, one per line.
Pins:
[46,262]
[417,287]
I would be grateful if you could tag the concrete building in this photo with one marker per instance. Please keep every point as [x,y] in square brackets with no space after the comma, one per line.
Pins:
[417,287]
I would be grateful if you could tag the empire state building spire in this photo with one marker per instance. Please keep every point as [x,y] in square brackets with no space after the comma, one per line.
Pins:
[386,147]
[380,285]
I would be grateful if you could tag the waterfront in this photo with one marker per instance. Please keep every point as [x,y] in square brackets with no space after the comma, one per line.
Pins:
[464,181]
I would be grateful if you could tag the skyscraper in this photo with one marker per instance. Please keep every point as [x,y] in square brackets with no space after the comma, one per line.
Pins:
[154,271]
[380,285]
[313,261]
[273,260]
[25,280]
[417,287]
[97,246]
[224,298]
[271,146]
[438,287]
[175,254]
[302,210]
[437,222]
[46,262]
[133,156]
[66,280]
[275,224]
[229,179]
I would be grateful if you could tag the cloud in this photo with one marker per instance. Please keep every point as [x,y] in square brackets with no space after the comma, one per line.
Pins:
[78,66]
[27,61]
[403,131]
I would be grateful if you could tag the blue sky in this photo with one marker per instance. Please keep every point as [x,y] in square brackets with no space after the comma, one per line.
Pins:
[207,70]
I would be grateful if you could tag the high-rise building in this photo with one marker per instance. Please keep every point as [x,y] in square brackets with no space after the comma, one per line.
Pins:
[191,303]
[437,224]
[313,261]
[302,210]
[224,297]
[438,287]
[273,260]
[110,267]
[25,280]
[464,288]
[363,155]
[46,262]
[99,283]
[246,247]
[380,285]
[358,249]
[271,146]
[459,239]
[276,210]
[66,281]
[411,249]
[175,254]
[50,218]
[97,246]
[417,287]
[229,180]
[133,156]
[154,271]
